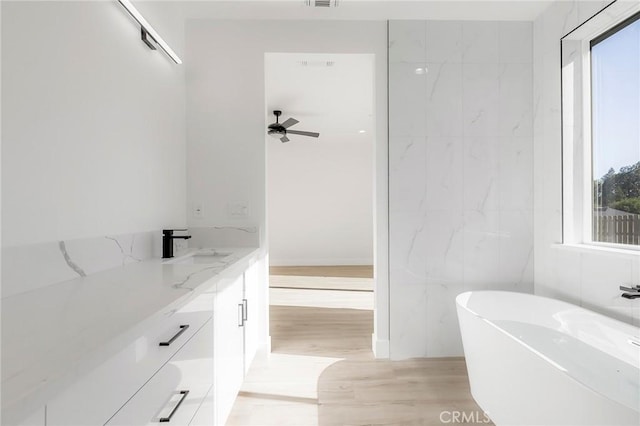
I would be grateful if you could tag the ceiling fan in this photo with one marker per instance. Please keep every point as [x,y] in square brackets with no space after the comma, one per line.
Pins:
[280,130]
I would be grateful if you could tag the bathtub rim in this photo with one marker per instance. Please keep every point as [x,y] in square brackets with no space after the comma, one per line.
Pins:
[463,298]
[467,295]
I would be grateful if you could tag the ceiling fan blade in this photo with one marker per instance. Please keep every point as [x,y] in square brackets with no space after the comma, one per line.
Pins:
[289,122]
[284,139]
[298,132]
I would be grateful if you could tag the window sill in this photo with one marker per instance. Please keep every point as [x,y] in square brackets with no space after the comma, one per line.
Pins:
[599,249]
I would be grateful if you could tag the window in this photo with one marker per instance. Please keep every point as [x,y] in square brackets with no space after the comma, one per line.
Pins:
[615,133]
[601,129]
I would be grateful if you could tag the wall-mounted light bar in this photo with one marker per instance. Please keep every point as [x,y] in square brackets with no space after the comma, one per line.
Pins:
[147,32]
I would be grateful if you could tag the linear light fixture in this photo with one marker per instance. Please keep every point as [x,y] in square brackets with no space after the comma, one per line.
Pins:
[147,32]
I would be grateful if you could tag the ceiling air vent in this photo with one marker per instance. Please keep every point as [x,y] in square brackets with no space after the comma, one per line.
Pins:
[306,63]
[322,3]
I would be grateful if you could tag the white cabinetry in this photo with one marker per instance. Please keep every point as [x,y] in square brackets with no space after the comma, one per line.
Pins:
[174,393]
[237,336]
[99,394]
[252,322]
[229,347]
[206,414]
[187,365]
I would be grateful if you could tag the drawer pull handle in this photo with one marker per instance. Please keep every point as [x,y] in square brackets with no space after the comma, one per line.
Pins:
[184,394]
[183,328]
[240,314]
[245,310]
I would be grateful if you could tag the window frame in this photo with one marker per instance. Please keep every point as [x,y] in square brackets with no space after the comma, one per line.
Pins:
[577,151]
[613,30]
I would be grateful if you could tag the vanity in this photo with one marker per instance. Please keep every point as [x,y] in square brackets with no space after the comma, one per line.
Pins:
[150,342]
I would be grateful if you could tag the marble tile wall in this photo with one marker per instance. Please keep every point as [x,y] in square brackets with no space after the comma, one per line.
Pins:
[586,277]
[225,236]
[26,268]
[460,173]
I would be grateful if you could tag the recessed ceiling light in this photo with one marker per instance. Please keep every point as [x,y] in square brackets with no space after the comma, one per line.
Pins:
[421,71]
[362,131]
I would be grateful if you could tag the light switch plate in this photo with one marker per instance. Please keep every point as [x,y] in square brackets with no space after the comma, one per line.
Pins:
[239,209]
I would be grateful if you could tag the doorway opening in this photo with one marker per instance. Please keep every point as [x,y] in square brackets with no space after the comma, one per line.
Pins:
[320,203]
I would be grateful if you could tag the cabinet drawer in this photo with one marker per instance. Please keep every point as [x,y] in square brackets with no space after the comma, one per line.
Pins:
[98,395]
[206,414]
[174,393]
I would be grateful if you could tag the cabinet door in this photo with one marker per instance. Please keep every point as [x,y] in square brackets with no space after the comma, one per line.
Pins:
[176,391]
[252,314]
[229,352]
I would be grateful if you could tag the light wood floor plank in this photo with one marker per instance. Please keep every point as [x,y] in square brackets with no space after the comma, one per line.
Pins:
[321,283]
[322,373]
[345,271]
[327,332]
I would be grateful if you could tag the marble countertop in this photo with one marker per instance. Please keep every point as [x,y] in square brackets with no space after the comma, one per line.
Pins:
[53,335]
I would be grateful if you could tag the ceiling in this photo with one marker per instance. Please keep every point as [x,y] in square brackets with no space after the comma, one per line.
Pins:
[501,10]
[335,100]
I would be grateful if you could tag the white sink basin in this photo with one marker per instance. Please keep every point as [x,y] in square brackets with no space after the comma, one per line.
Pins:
[200,258]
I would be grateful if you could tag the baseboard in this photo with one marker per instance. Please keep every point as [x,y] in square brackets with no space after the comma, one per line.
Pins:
[320,262]
[380,347]
[265,346]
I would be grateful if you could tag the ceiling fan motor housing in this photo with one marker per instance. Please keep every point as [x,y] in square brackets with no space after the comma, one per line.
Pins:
[277,129]
[276,133]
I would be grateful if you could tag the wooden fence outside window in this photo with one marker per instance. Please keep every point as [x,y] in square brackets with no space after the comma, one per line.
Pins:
[621,229]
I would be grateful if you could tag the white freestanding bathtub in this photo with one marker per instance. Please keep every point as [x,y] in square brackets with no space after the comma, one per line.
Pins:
[539,361]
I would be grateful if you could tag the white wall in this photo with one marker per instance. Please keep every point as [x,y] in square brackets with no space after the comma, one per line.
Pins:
[93,136]
[226,118]
[586,277]
[320,203]
[320,191]
[460,173]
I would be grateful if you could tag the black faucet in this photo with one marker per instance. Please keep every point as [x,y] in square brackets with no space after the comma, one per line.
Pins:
[167,241]
[632,292]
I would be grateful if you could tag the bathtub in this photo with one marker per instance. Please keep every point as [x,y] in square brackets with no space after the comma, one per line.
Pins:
[539,361]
